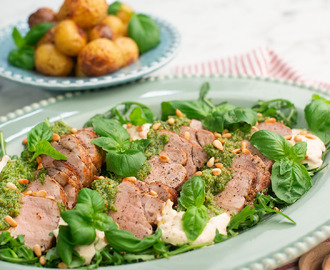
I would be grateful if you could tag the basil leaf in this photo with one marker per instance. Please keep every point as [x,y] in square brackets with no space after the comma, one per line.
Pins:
[144,31]
[317,117]
[81,231]
[214,121]
[240,115]
[126,163]
[274,146]
[114,8]
[92,198]
[193,192]
[290,180]
[193,109]
[224,107]
[140,145]
[137,117]
[44,147]
[194,221]
[121,240]
[64,246]
[103,222]
[107,143]
[40,132]
[298,151]
[18,39]
[37,32]
[86,211]
[204,90]
[22,58]
[3,144]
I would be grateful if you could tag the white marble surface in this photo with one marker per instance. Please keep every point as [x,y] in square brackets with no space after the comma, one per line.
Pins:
[298,30]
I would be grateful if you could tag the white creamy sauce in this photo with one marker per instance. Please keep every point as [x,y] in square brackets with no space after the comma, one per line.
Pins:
[138,133]
[170,222]
[315,148]
[4,161]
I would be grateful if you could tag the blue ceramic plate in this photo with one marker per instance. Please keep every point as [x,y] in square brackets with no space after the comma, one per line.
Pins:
[147,63]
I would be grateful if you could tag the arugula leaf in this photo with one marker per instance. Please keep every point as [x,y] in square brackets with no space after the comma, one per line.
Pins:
[281,109]
[22,58]
[194,221]
[44,147]
[274,146]
[317,117]
[3,150]
[114,8]
[290,180]
[193,192]
[37,32]
[144,31]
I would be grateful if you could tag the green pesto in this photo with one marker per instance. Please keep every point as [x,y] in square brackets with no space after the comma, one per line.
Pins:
[42,175]
[157,143]
[144,171]
[61,128]
[215,184]
[61,206]
[108,189]
[211,205]
[178,123]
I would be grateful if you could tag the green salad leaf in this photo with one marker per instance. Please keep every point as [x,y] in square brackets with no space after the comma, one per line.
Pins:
[37,32]
[3,144]
[114,8]
[22,58]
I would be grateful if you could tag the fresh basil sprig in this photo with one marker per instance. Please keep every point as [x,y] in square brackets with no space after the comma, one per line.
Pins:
[114,8]
[38,142]
[289,179]
[123,157]
[192,198]
[317,115]
[23,57]
[281,109]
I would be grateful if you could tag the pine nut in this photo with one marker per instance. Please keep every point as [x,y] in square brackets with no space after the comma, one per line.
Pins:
[38,159]
[37,250]
[303,132]
[163,158]
[219,165]
[217,144]
[56,137]
[27,192]
[156,126]
[24,141]
[171,121]
[11,186]
[73,130]
[288,137]
[153,193]
[187,135]
[227,135]
[62,265]
[297,138]
[50,197]
[10,221]
[259,114]
[23,181]
[41,193]
[139,128]
[217,135]
[276,208]
[243,145]
[99,177]
[246,151]
[210,163]
[42,260]
[310,136]
[141,134]
[271,120]
[129,125]
[40,166]
[306,156]
[130,178]
[198,173]
[178,113]
[216,171]
[236,151]
[225,131]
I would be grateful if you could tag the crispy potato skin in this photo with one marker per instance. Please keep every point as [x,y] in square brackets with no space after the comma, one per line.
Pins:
[86,13]
[42,15]
[116,25]
[100,57]
[50,61]
[69,38]
[48,37]
[125,13]
[100,30]
[129,49]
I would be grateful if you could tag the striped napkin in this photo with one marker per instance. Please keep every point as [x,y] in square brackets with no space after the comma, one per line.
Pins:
[261,62]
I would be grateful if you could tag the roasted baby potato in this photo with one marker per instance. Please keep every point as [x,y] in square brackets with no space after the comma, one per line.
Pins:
[99,57]
[48,37]
[50,61]
[125,13]
[42,15]
[116,25]
[69,38]
[129,49]
[100,30]
[86,13]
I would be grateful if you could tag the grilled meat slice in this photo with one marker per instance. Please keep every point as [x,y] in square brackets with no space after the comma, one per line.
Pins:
[164,192]
[175,156]
[204,137]
[275,127]
[196,124]
[255,152]
[189,133]
[37,218]
[238,192]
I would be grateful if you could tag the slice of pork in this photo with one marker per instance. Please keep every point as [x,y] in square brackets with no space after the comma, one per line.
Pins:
[255,152]
[204,137]
[152,207]
[130,214]
[37,218]
[238,189]
[275,127]
[164,192]
[175,156]
[196,124]
[256,166]
[191,134]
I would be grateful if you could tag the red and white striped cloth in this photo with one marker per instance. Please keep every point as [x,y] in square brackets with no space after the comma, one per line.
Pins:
[262,62]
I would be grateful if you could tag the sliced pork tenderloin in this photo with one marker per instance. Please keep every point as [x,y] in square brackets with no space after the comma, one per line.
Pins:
[204,137]
[238,191]
[152,207]
[175,156]
[196,124]
[276,127]
[164,192]
[189,133]
[37,218]
[255,152]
